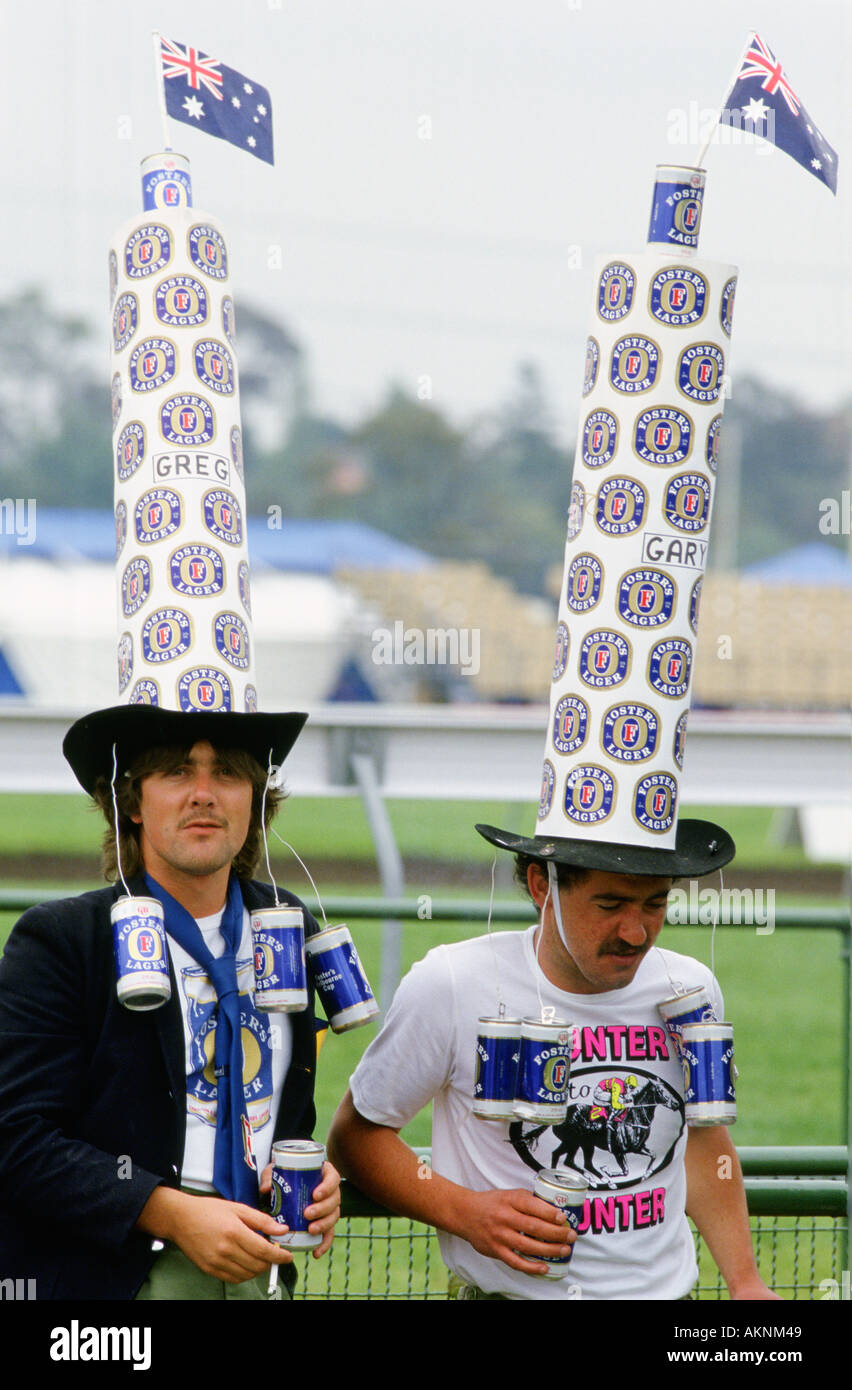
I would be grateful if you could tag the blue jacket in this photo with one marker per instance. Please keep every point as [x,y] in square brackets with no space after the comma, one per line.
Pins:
[93,1101]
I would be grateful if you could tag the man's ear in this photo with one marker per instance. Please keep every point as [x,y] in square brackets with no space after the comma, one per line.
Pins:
[537,883]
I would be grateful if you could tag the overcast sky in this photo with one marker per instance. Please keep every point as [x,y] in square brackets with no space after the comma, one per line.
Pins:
[441,168]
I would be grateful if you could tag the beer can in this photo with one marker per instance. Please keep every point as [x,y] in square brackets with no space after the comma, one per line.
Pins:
[339,979]
[676,206]
[693,1007]
[280,974]
[707,1052]
[141,954]
[566,1189]
[296,1172]
[166,182]
[541,1094]
[498,1049]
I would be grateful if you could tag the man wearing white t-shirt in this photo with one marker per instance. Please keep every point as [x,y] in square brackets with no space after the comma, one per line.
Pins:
[593,961]
[134,1153]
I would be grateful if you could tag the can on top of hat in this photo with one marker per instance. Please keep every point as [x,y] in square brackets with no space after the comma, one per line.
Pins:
[562,1188]
[166,181]
[141,954]
[541,1094]
[339,979]
[676,206]
[296,1172]
[695,1006]
[707,1052]
[280,974]
[498,1050]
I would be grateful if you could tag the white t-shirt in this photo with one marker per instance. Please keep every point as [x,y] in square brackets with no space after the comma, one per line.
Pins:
[634,1239]
[267,1049]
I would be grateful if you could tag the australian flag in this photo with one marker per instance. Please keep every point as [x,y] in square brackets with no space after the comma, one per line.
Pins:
[206,94]
[762,100]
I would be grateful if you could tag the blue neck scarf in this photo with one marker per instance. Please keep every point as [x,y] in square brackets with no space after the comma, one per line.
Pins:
[234,1171]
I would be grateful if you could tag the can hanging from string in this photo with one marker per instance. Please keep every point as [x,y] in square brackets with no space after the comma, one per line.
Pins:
[541,1094]
[280,975]
[498,1050]
[339,980]
[141,954]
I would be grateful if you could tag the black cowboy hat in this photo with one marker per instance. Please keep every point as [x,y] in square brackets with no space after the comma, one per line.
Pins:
[88,745]
[700,847]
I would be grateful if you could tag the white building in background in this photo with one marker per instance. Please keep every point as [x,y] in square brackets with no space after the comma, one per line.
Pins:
[59,621]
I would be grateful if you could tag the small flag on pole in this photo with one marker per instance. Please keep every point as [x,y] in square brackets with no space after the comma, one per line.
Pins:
[762,100]
[206,94]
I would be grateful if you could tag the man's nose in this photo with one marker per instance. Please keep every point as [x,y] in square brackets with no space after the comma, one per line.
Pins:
[202,786]
[631,928]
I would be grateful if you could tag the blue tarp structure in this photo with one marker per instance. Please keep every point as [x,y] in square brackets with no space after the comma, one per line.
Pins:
[806,566]
[302,546]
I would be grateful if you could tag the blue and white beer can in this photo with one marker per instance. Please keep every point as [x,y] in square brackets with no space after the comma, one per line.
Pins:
[166,182]
[296,1172]
[141,953]
[676,207]
[695,1006]
[562,1188]
[541,1094]
[280,973]
[707,1052]
[498,1050]
[339,979]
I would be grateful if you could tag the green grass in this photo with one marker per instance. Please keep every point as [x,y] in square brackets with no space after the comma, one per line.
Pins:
[337,827]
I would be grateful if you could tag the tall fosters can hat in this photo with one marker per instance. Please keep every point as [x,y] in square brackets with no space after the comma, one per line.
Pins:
[639,516]
[185,648]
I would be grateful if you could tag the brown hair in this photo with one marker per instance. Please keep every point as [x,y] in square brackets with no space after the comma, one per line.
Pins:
[128,798]
[566,875]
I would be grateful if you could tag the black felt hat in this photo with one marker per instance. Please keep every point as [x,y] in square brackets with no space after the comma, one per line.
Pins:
[700,847]
[88,745]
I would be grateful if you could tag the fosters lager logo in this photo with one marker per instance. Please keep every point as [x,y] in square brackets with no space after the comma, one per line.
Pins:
[654,802]
[604,659]
[583,587]
[152,363]
[157,514]
[615,292]
[646,598]
[207,251]
[214,367]
[147,250]
[124,320]
[130,449]
[620,508]
[196,571]
[678,296]
[634,364]
[204,688]
[687,502]
[669,667]
[166,634]
[600,439]
[222,516]
[630,732]
[663,435]
[181,302]
[187,419]
[589,795]
[570,724]
[699,372]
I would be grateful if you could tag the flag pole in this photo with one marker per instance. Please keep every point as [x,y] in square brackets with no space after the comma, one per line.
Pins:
[161,90]
[702,154]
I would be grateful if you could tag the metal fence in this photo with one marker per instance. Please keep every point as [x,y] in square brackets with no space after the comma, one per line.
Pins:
[797,1201]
